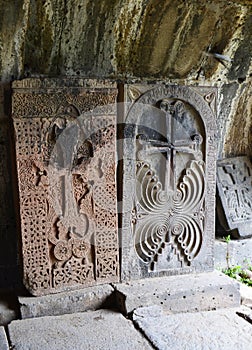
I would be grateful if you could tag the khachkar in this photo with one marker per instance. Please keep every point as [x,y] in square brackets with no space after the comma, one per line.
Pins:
[65,149]
[168,199]
[234,182]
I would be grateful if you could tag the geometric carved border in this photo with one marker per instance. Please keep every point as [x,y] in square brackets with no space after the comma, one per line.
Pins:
[65,132]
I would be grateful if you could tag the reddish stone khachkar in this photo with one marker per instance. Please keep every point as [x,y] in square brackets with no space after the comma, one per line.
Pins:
[65,149]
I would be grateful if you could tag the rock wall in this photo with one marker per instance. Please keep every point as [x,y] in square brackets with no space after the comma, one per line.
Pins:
[170,40]
[173,40]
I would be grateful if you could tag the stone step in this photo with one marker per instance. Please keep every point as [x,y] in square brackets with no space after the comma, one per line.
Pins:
[184,293]
[99,330]
[90,298]
[209,330]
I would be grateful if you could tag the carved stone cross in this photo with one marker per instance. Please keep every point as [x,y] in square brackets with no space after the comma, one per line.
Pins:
[171,146]
[168,228]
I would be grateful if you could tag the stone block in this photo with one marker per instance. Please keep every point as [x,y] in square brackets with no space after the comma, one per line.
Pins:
[3,340]
[237,252]
[186,293]
[168,201]
[65,132]
[218,330]
[99,330]
[234,182]
[90,298]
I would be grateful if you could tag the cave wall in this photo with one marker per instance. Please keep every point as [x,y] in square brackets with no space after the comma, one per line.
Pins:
[128,40]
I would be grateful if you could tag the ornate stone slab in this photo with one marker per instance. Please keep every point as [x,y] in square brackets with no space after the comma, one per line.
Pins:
[234,181]
[65,149]
[168,200]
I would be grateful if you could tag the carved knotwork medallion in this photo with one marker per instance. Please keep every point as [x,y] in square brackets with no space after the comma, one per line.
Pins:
[66,173]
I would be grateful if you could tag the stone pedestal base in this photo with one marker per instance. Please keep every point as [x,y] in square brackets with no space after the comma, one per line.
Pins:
[90,298]
[187,293]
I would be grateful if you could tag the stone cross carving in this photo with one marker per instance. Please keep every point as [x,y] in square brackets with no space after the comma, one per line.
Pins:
[169,229]
[171,145]
[65,147]
[234,181]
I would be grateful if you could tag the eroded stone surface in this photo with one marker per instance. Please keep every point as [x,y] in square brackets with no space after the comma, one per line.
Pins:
[168,180]
[90,298]
[188,293]
[168,38]
[65,149]
[218,330]
[234,181]
[99,330]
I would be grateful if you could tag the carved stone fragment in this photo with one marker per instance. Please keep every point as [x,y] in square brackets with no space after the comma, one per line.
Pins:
[234,181]
[168,199]
[65,149]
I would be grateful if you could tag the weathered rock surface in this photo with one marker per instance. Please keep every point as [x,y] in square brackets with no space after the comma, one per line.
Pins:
[218,330]
[165,38]
[90,298]
[3,340]
[205,291]
[98,330]
[169,40]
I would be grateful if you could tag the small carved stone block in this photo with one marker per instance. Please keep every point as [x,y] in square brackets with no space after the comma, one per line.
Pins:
[168,199]
[234,181]
[65,148]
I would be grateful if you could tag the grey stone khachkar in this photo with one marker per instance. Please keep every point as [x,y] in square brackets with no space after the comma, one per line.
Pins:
[65,133]
[234,182]
[168,200]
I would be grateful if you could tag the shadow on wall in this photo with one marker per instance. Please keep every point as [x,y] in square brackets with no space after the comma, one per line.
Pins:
[9,266]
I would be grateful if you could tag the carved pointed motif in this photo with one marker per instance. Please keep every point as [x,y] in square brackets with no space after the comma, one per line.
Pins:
[167,223]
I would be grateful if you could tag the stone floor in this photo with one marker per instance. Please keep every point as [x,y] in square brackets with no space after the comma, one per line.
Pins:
[148,328]
[207,312]
[153,326]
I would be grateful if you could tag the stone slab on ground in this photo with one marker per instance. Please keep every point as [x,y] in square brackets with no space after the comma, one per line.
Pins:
[99,330]
[3,340]
[239,252]
[90,298]
[209,330]
[185,293]
[246,295]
